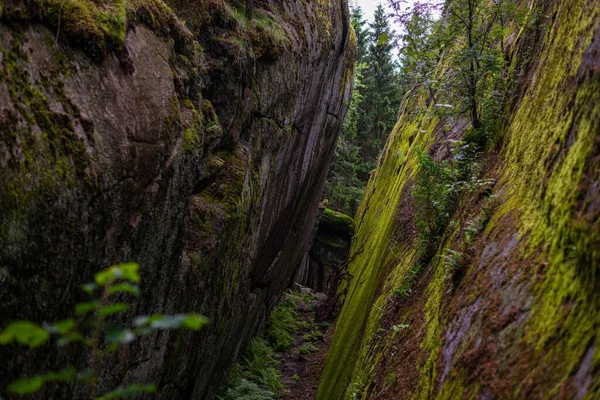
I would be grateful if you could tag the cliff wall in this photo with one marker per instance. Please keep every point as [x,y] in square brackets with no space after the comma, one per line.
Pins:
[189,137]
[520,317]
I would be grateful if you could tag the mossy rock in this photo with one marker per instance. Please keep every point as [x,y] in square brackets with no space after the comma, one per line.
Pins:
[336,222]
[330,250]
[97,26]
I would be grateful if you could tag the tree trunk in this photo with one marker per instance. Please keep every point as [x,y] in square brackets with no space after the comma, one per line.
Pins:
[472,69]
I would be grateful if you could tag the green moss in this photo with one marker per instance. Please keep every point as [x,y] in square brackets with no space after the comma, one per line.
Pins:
[551,139]
[546,166]
[433,336]
[45,160]
[357,345]
[336,218]
[98,26]
[192,135]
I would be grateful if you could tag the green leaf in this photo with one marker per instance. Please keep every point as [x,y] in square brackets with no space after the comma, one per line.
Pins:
[89,288]
[128,391]
[25,332]
[32,384]
[120,335]
[112,309]
[195,321]
[143,331]
[26,385]
[104,277]
[61,376]
[187,321]
[128,271]
[82,308]
[166,321]
[147,320]
[64,326]
[124,288]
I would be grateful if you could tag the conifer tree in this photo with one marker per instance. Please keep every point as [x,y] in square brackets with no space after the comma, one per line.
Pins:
[344,189]
[359,23]
[382,95]
[372,114]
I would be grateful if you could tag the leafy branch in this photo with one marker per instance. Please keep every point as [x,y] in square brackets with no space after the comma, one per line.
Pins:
[92,326]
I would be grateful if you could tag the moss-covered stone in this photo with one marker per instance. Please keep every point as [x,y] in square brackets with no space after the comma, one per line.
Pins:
[335,221]
[205,171]
[96,26]
[523,322]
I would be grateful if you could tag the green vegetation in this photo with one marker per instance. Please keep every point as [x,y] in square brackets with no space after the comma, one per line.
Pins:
[93,327]
[256,375]
[475,80]
[313,336]
[306,349]
[541,157]
[337,219]
[97,26]
[434,203]
[391,379]
[283,324]
[372,112]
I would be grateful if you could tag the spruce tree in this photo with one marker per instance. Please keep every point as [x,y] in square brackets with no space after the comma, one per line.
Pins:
[344,189]
[382,95]
[359,23]
[372,114]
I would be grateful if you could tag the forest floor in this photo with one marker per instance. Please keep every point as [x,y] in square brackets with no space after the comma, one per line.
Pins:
[301,367]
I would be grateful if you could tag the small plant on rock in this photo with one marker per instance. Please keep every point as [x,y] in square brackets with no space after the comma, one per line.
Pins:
[453,261]
[434,203]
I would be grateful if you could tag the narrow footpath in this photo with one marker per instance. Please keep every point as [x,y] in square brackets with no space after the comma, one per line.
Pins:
[301,366]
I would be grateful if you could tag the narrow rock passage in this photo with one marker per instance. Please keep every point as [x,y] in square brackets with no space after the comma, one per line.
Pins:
[302,366]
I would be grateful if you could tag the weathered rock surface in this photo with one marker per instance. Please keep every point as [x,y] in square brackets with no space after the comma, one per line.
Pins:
[521,318]
[197,154]
[330,246]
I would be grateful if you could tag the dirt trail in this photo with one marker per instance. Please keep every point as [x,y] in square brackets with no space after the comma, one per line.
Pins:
[301,373]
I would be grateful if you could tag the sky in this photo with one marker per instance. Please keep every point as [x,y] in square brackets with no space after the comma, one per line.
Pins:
[369,6]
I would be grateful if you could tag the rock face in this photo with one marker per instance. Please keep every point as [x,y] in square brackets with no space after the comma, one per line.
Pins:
[521,319]
[198,151]
[330,247]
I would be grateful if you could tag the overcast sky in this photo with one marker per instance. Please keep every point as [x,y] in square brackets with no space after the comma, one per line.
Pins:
[369,6]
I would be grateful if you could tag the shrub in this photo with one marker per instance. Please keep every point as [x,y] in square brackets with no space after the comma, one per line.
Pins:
[434,203]
[453,262]
[408,281]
